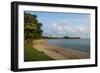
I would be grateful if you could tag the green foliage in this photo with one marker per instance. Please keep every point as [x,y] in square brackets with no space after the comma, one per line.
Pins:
[31,54]
[32,27]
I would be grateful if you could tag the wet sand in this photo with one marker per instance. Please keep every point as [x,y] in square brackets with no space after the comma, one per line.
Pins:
[59,53]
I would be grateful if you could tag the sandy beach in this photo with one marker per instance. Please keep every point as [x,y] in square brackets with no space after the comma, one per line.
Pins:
[59,53]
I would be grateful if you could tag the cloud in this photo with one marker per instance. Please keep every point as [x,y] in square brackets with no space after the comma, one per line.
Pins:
[64,29]
[82,29]
[60,29]
[57,27]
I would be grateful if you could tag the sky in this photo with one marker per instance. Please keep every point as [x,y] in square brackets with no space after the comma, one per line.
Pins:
[59,24]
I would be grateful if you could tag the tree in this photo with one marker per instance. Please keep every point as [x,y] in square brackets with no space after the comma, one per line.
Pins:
[32,27]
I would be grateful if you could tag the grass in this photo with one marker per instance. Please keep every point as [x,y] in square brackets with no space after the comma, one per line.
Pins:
[31,54]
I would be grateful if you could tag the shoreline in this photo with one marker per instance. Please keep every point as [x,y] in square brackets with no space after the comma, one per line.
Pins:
[59,53]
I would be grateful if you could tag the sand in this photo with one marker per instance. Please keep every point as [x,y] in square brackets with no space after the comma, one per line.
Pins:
[59,53]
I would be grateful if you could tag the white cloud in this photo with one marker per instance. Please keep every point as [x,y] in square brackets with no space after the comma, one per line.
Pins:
[57,27]
[82,29]
[70,30]
[54,25]
[62,28]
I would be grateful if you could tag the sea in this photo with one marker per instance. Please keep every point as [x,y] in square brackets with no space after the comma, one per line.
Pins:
[76,44]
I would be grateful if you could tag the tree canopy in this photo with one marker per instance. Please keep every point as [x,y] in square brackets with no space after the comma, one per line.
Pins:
[32,27]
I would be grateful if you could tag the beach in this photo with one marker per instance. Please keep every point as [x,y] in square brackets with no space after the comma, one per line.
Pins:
[58,53]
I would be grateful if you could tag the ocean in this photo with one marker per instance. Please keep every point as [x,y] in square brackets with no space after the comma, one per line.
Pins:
[76,44]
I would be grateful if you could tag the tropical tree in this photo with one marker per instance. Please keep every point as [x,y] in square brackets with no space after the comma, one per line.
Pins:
[32,27]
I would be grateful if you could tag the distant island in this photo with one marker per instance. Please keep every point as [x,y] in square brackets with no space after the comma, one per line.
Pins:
[65,37]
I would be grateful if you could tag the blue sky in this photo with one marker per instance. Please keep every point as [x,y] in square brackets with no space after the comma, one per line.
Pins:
[58,24]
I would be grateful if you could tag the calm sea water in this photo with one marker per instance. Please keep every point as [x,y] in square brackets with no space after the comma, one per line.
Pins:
[77,44]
